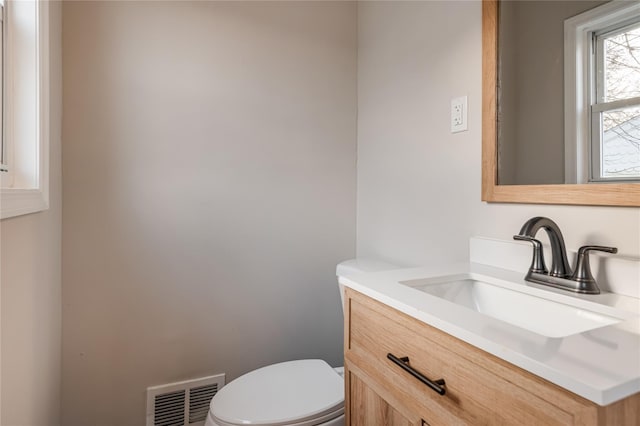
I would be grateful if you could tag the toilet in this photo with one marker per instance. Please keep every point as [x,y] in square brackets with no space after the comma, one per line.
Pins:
[307,392]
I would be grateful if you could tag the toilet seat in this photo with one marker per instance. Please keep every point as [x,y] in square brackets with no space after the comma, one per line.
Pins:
[294,393]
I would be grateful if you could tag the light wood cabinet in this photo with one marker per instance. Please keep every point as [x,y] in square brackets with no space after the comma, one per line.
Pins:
[481,389]
[369,408]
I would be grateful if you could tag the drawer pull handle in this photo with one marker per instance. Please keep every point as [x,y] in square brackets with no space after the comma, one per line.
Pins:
[435,385]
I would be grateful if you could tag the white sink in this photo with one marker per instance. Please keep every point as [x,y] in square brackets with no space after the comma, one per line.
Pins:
[516,305]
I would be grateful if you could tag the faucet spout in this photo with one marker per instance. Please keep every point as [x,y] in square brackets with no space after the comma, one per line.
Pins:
[560,265]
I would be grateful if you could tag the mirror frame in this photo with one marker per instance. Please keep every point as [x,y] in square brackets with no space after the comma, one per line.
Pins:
[600,194]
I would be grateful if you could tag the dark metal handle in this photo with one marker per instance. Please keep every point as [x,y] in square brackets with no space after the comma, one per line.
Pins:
[435,385]
[582,273]
[537,264]
[585,249]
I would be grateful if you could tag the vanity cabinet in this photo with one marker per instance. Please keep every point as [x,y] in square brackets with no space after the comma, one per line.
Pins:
[481,389]
[369,408]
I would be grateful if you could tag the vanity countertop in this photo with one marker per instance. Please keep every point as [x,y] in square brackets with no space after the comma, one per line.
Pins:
[601,365]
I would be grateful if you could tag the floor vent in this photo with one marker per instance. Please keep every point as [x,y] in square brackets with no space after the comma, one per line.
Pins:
[199,399]
[169,409]
[182,403]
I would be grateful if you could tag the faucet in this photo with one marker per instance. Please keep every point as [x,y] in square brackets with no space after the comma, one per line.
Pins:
[561,276]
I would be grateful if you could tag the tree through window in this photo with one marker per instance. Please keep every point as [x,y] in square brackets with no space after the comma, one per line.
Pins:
[616,112]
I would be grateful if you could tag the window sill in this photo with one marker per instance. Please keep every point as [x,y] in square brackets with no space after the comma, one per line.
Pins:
[17,202]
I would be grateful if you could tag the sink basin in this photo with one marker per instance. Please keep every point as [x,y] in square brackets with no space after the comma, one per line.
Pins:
[495,299]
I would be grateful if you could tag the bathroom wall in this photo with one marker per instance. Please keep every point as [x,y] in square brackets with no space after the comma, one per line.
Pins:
[419,184]
[30,280]
[209,191]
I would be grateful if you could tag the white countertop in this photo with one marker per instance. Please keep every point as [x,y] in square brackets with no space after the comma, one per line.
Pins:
[601,365]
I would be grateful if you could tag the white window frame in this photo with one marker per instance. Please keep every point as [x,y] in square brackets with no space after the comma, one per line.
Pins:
[24,187]
[599,105]
[579,88]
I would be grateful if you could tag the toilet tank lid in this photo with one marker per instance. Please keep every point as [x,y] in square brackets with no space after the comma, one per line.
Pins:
[358,265]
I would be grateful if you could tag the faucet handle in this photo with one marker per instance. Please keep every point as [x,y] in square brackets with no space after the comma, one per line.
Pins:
[585,249]
[582,273]
[537,263]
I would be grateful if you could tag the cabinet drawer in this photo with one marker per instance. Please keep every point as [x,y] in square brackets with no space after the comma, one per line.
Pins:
[480,388]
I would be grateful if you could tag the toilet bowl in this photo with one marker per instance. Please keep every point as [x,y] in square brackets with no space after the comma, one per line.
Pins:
[303,392]
[295,393]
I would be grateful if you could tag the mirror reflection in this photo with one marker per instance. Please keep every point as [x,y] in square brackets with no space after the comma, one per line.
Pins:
[568,92]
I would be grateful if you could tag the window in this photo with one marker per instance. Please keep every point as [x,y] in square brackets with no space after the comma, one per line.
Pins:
[615,111]
[25,104]
[602,94]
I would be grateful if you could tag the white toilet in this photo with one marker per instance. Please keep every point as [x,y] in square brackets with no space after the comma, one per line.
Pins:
[295,393]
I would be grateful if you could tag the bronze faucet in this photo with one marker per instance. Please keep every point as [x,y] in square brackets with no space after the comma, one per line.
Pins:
[580,280]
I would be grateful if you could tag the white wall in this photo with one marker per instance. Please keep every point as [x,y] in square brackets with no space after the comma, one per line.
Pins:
[30,278]
[209,191]
[418,184]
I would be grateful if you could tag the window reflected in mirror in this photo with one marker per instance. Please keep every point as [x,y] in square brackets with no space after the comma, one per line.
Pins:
[617,106]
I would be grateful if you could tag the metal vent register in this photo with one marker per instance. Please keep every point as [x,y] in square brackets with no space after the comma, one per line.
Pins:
[182,403]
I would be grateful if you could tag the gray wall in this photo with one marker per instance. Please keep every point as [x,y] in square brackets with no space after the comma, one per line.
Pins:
[209,191]
[418,184]
[30,278]
[532,96]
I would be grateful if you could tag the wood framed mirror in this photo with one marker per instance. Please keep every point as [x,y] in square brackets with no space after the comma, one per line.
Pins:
[604,194]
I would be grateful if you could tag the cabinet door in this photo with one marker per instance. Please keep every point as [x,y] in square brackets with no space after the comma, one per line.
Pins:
[367,408]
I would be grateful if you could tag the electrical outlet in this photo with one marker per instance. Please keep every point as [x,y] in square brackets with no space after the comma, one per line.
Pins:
[459,114]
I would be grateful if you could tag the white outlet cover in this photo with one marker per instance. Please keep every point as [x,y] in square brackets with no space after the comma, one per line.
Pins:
[459,114]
